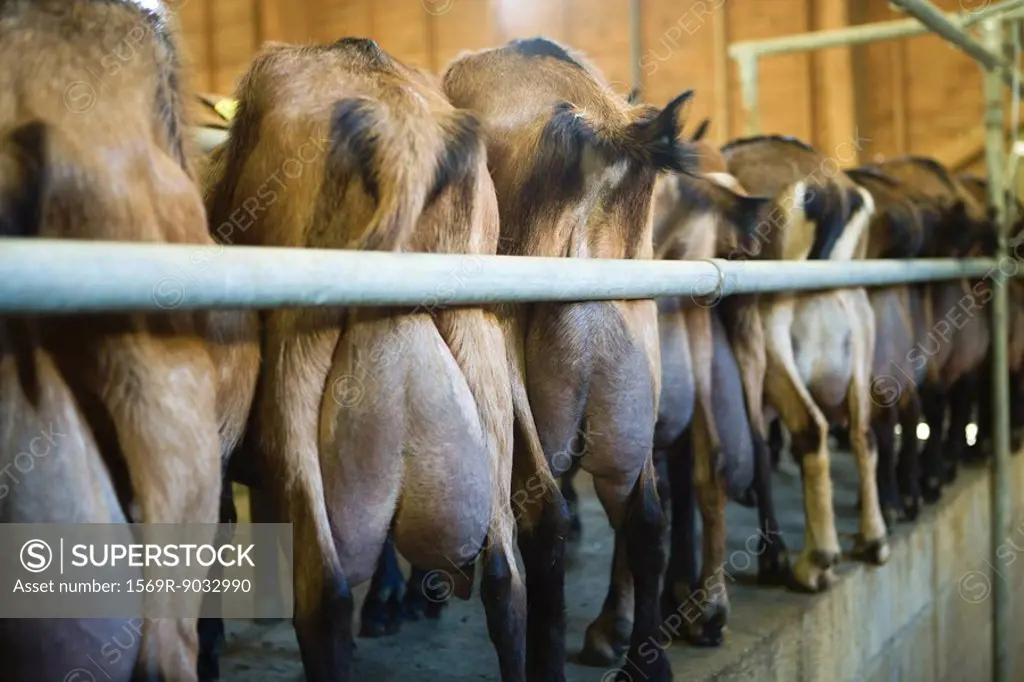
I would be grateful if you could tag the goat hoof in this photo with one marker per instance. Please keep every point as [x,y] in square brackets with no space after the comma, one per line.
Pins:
[809,575]
[824,559]
[891,515]
[418,606]
[872,551]
[435,609]
[911,508]
[377,629]
[606,640]
[774,570]
[974,454]
[773,576]
[708,632]
[748,499]
[380,618]
[575,527]
[931,489]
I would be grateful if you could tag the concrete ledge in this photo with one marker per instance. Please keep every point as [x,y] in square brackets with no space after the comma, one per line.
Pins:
[925,616]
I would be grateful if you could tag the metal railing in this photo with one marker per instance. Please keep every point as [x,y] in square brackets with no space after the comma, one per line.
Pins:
[95,276]
[747,53]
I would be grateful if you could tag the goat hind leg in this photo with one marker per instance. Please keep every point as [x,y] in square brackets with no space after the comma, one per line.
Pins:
[775,442]
[621,462]
[381,614]
[543,519]
[504,598]
[812,570]
[908,467]
[710,595]
[961,403]
[682,574]
[425,596]
[882,427]
[167,427]
[872,543]
[625,484]
[638,522]
[210,628]
[933,404]
[772,562]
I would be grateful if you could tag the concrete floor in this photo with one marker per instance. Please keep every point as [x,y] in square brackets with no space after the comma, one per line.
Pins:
[457,649]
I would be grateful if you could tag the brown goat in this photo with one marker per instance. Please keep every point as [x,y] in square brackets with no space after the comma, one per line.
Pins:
[897,230]
[375,419]
[147,406]
[574,167]
[978,187]
[819,345]
[956,317]
[720,453]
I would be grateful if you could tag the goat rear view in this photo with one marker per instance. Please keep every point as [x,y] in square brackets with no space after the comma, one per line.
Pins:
[957,339]
[820,345]
[574,168]
[375,420]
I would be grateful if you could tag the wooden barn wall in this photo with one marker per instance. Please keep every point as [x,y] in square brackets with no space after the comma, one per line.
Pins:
[915,95]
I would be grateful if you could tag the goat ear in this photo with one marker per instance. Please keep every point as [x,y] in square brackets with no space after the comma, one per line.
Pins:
[672,115]
[823,205]
[745,212]
[701,130]
[658,138]
[906,231]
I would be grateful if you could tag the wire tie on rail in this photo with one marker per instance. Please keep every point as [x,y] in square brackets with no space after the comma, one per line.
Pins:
[719,291]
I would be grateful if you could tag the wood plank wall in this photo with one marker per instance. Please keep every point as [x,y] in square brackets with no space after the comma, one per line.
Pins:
[910,96]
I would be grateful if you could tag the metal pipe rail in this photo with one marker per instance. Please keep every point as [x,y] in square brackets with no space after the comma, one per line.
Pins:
[859,35]
[934,19]
[747,54]
[94,276]
[995,148]
[992,56]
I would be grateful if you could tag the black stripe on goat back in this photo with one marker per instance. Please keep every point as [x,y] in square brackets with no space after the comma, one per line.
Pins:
[905,240]
[940,171]
[864,173]
[830,211]
[543,47]
[461,155]
[785,139]
[555,173]
[353,133]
